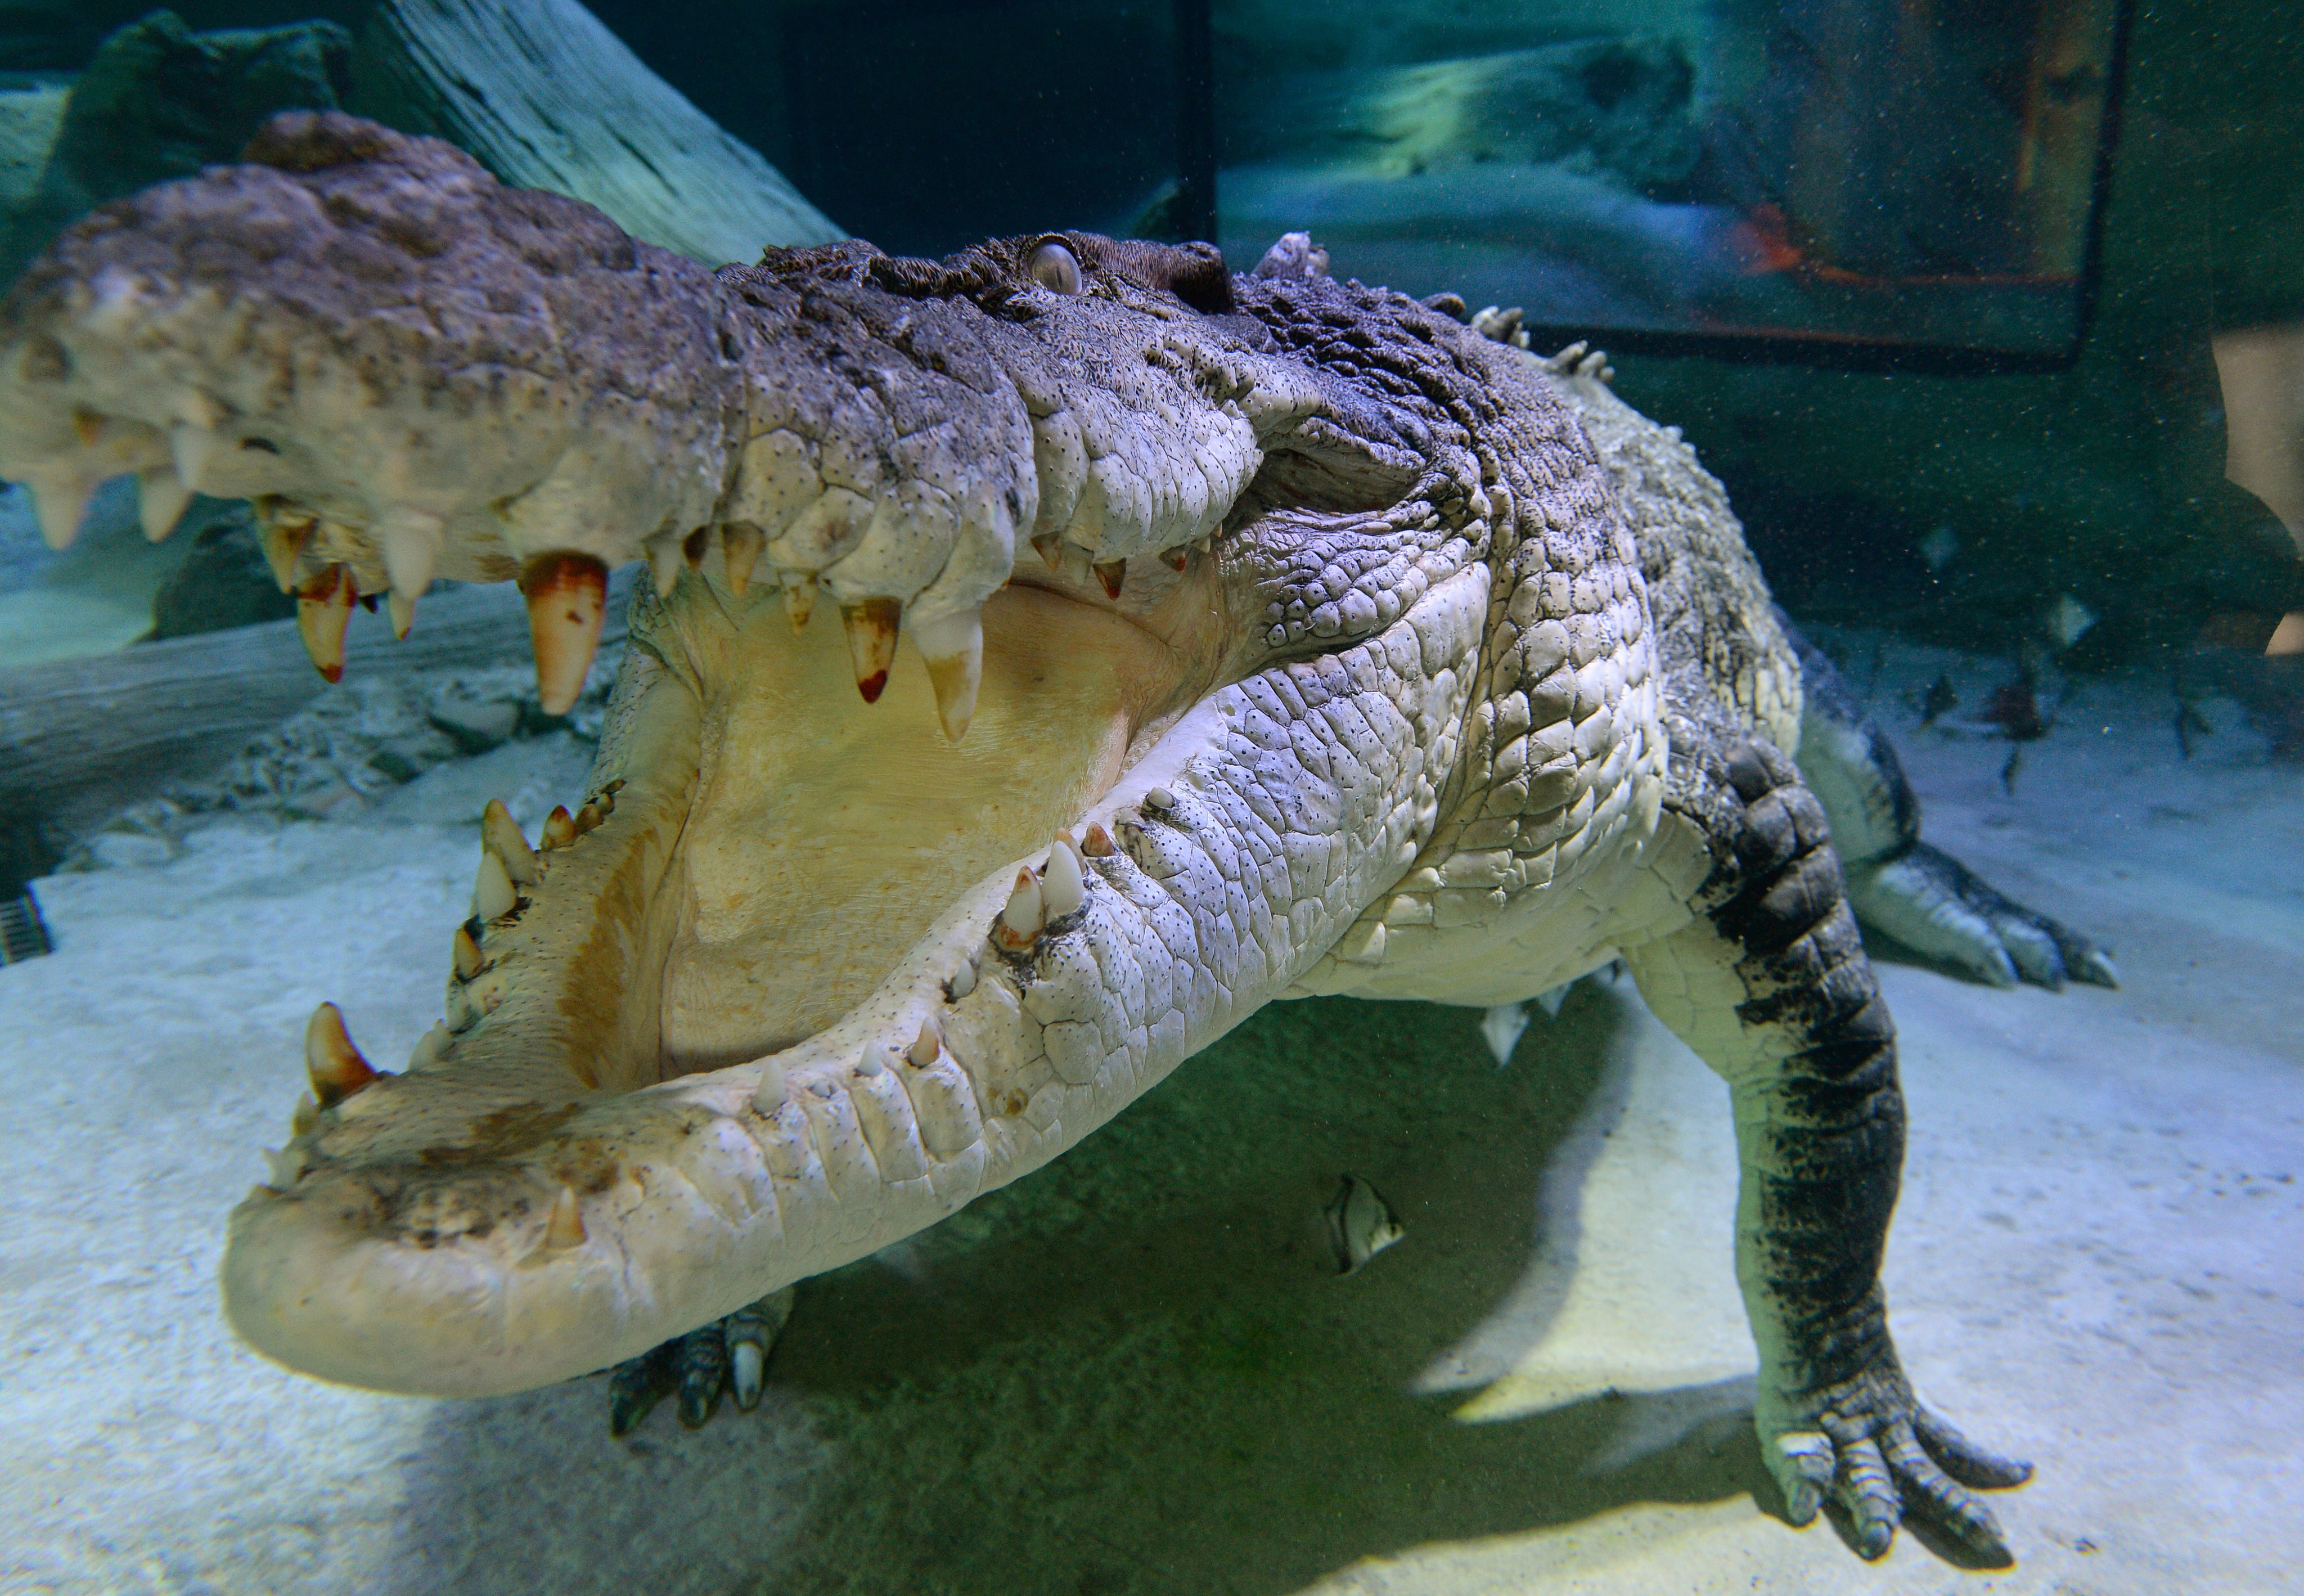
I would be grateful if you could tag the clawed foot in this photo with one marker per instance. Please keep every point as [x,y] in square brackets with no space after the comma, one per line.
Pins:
[729,1355]
[1930,902]
[1883,1458]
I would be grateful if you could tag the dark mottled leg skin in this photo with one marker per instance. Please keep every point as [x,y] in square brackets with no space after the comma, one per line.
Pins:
[1772,987]
[727,1356]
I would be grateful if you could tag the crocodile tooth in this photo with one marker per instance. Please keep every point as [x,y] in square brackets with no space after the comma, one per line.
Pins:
[692,547]
[566,1228]
[60,498]
[567,593]
[464,952]
[871,625]
[501,835]
[1051,548]
[1095,842]
[411,539]
[1020,922]
[953,647]
[493,896]
[962,982]
[559,828]
[336,1067]
[282,1169]
[589,818]
[305,1115]
[1361,1224]
[741,543]
[323,605]
[1175,559]
[428,1046]
[401,609]
[193,448]
[1062,890]
[284,531]
[925,1046]
[666,561]
[799,597]
[160,500]
[1159,799]
[1111,573]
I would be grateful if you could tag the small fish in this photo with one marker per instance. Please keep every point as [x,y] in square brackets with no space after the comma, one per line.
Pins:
[1361,1224]
[1938,546]
[1940,698]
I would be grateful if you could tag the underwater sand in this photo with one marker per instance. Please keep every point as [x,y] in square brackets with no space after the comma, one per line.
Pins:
[1130,1373]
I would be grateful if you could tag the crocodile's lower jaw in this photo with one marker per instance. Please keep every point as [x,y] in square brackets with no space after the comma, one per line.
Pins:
[765,1017]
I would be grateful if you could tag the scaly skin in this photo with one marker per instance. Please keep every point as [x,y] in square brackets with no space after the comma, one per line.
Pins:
[1338,668]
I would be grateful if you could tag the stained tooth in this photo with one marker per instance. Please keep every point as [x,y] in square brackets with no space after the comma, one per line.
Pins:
[566,596]
[401,609]
[1175,559]
[693,546]
[285,533]
[501,835]
[1062,890]
[1051,548]
[953,647]
[589,818]
[337,1067]
[465,953]
[1095,843]
[741,543]
[161,498]
[925,1046]
[322,607]
[566,1228]
[306,1115]
[799,598]
[1159,798]
[871,628]
[493,896]
[559,828]
[1111,573]
[665,562]
[59,499]
[1019,923]
[412,549]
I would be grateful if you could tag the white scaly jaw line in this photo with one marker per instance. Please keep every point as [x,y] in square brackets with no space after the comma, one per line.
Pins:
[1238,869]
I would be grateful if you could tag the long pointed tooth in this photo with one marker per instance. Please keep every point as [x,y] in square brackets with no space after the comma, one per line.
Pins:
[322,607]
[871,627]
[1175,559]
[1062,890]
[411,540]
[666,561]
[1020,922]
[566,1228]
[493,896]
[741,543]
[501,835]
[925,1046]
[953,649]
[799,598]
[337,1067]
[194,449]
[559,828]
[464,952]
[59,499]
[161,498]
[1050,546]
[401,609]
[567,594]
[1111,573]
[285,532]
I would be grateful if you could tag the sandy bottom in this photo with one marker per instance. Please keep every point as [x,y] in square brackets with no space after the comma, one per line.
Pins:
[1131,1373]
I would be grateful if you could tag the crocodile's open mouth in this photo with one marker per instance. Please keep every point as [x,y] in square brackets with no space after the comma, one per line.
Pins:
[862,916]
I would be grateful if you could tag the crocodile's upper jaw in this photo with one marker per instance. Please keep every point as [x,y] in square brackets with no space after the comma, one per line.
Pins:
[808,971]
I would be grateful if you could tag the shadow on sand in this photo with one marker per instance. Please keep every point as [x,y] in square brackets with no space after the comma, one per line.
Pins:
[1133,1371]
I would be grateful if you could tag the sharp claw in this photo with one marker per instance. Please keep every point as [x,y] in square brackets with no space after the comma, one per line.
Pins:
[635,1384]
[703,1361]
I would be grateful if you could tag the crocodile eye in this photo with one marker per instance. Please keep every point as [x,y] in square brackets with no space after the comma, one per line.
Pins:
[1052,267]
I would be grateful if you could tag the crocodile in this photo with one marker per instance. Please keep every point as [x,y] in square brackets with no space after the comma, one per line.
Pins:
[1203,639]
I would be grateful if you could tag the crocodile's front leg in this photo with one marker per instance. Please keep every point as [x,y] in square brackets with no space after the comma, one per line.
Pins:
[1772,987]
